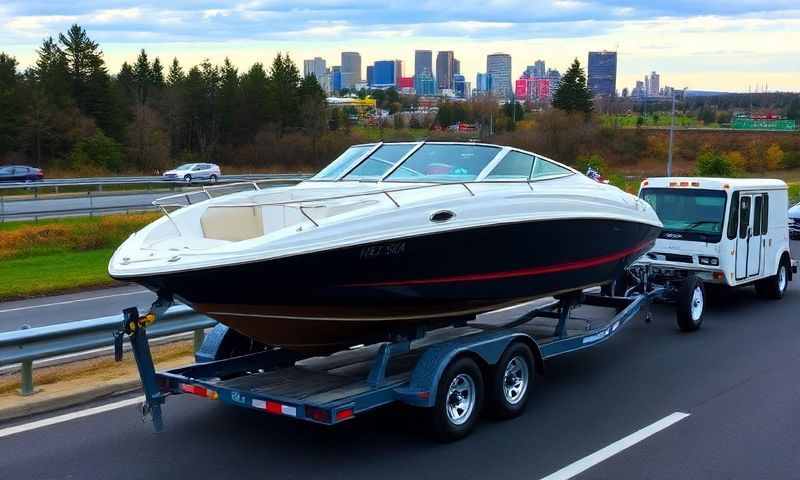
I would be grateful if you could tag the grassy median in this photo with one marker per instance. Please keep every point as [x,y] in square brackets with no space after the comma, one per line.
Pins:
[47,257]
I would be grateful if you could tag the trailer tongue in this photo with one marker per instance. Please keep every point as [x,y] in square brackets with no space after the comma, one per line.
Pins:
[453,371]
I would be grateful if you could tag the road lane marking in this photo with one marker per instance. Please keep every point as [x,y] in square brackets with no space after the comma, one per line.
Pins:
[29,307]
[7,432]
[603,454]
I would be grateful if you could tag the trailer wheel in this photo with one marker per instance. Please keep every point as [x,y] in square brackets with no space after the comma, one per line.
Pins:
[691,304]
[459,399]
[511,381]
[774,287]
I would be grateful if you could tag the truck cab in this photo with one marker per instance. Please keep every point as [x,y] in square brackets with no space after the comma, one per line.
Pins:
[725,231]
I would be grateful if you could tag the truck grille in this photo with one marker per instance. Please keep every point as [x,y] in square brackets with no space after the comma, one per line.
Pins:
[671,257]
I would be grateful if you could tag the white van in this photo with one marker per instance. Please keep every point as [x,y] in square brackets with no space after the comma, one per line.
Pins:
[724,231]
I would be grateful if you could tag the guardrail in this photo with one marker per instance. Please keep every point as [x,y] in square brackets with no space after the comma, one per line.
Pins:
[93,199]
[25,346]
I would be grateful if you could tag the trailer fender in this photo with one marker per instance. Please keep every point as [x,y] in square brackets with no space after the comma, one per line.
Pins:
[224,342]
[486,348]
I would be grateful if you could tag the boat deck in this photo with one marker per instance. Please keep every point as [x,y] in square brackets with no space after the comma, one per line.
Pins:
[327,380]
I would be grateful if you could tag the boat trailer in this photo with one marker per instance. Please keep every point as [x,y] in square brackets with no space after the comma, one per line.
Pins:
[451,371]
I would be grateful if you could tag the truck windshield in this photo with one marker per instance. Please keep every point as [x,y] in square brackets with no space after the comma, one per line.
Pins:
[690,214]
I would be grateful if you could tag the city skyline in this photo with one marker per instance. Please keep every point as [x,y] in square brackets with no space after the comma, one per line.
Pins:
[701,46]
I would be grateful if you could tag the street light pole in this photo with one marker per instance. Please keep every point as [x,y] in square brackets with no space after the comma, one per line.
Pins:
[671,134]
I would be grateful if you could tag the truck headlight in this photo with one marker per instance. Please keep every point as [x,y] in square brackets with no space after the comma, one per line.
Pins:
[709,261]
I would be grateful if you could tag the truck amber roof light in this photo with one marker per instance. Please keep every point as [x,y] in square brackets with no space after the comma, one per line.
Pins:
[727,185]
[673,184]
[645,183]
[695,184]
[684,184]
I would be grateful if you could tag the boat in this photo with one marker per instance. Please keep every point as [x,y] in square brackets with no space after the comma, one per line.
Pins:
[387,238]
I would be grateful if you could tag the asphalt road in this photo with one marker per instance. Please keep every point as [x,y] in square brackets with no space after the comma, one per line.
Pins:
[736,378]
[43,311]
[46,206]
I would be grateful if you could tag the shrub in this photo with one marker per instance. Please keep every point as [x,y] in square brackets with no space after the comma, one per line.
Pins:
[774,157]
[713,164]
[96,152]
[791,159]
[594,161]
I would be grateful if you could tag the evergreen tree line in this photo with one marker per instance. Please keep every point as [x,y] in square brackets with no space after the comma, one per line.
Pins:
[68,111]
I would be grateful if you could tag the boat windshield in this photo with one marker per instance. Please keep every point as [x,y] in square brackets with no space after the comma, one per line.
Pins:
[444,163]
[380,162]
[693,213]
[342,163]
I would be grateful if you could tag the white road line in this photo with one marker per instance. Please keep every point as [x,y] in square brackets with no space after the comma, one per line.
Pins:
[7,432]
[29,307]
[603,454]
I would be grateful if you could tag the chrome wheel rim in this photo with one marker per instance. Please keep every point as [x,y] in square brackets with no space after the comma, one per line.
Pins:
[515,380]
[460,399]
[781,278]
[697,303]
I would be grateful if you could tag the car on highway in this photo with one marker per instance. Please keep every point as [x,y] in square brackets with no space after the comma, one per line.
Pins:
[190,172]
[794,222]
[20,173]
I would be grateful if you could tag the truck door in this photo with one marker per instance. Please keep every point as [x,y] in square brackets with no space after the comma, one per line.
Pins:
[742,248]
[755,247]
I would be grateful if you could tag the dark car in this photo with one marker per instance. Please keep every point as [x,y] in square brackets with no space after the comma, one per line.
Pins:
[20,173]
[794,222]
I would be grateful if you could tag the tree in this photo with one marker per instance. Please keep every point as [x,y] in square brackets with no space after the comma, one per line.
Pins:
[10,106]
[83,60]
[284,80]
[97,152]
[774,157]
[573,95]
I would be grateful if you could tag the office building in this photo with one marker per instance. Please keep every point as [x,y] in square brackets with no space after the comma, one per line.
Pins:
[554,77]
[424,84]
[655,85]
[315,66]
[325,82]
[460,86]
[538,69]
[383,74]
[444,70]
[602,73]
[351,69]
[336,78]
[498,65]
[398,71]
[423,62]
[370,75]
[483,82]
[456,67]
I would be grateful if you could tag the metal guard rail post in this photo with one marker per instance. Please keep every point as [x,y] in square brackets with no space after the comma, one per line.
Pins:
[25,346]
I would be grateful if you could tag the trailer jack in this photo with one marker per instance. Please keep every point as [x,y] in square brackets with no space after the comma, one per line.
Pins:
[135,326]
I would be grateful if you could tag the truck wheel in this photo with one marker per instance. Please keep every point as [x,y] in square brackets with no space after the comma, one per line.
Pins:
[691,304]
[459,399]
[774,286]
[511,381]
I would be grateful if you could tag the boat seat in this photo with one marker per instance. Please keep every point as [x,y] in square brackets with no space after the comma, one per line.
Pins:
[232,223]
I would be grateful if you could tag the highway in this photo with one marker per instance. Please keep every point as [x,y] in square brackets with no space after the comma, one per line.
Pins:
[21,209]
[718,403]
[42,311]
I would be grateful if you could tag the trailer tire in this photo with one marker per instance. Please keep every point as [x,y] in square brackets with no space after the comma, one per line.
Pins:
[511,381]
[774,287]
[459,398]
[691,304]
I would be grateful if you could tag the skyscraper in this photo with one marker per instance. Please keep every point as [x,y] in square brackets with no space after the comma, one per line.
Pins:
[498,65]
[351,69]
[444,70]
[370,75]
[655,84]
[602,69]
[460,86]
[423,61]
[315,66]
[398,71]
[554,76]
[383,74]
[336,78]
[538,69]
[456,67]
[483,82]
[424,84]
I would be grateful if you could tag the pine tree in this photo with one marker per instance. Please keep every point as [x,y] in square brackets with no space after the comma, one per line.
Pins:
[175,76]
[573,94]
[10,107]
[142,75]
[284,80]
[157,74]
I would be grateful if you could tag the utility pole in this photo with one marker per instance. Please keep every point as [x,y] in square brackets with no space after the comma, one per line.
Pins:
[671,134]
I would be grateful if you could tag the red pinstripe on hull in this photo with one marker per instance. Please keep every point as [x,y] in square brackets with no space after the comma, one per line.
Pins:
[523,272]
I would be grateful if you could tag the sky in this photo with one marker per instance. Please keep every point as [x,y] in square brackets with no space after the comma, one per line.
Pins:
[733,45]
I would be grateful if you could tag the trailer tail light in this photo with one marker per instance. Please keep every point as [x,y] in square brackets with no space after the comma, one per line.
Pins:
[275,407]
[345,414]
[318,414]
[199,391]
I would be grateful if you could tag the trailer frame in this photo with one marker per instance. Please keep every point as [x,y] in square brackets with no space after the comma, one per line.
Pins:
[331,390]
